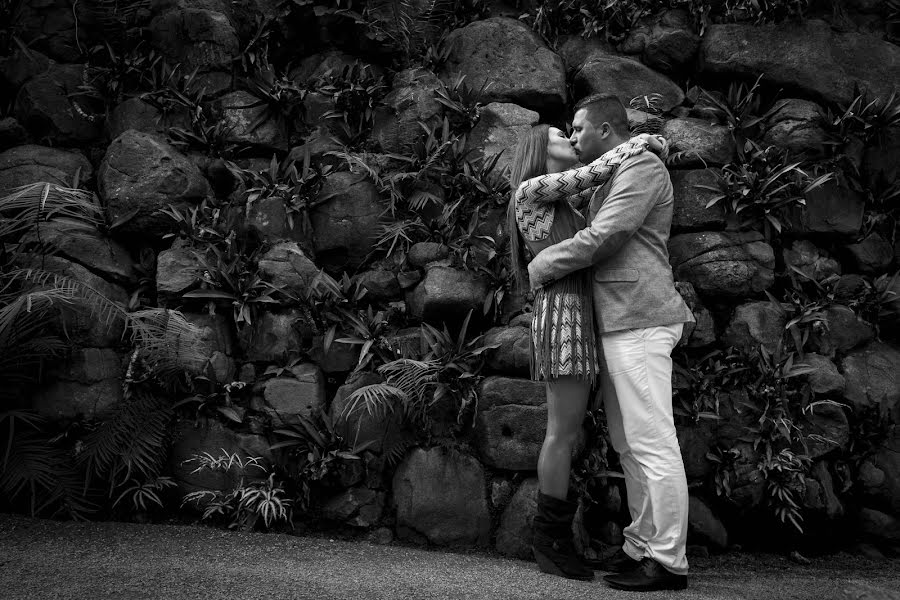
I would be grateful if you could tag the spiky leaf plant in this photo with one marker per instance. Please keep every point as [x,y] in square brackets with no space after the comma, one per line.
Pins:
[37,470]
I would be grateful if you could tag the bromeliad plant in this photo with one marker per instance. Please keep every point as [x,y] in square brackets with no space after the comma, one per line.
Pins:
[296,185]
[758,193]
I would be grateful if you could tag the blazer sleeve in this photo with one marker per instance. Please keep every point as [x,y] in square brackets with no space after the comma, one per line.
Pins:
[632,195]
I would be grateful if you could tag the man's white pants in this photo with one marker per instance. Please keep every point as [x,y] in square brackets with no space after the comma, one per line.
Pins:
[636,383]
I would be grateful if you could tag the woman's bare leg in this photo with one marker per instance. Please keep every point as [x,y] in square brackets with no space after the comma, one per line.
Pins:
[567,399]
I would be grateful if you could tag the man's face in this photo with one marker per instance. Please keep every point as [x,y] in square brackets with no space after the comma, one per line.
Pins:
[589,141]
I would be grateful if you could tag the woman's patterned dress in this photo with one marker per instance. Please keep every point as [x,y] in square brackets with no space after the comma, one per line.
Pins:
[563,339]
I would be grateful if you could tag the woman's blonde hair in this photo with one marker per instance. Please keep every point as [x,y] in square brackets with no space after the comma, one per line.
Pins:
[529,160]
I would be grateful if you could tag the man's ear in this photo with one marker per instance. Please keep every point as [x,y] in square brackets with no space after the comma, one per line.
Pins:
[605,129]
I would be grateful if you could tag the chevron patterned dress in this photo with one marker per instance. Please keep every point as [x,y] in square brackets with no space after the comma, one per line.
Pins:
[563,339]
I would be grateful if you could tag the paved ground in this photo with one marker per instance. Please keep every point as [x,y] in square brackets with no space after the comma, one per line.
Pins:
[49,560]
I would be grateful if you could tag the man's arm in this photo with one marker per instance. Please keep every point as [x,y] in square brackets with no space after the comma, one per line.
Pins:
[632,196]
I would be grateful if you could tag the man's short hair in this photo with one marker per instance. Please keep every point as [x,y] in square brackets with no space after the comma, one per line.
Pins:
[605,108]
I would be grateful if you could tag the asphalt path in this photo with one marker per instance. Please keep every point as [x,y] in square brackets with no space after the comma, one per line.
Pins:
[48,560]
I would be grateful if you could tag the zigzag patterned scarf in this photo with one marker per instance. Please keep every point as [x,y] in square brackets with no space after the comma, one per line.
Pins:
[535,197]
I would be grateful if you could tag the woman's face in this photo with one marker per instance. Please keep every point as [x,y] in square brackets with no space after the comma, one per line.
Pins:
[559,150]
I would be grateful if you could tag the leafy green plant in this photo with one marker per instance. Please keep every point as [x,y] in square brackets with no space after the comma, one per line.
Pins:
[232,276]
[313,450]
[703,381]
[463,102]
[448,369]
[257,503]
[281,97]
[143,496]
[355,93]
[785,474]
[759,192]
[297,188]
[38,468]
[741,108]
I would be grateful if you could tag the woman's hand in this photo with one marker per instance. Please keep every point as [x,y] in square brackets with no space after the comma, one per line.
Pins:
[655,143]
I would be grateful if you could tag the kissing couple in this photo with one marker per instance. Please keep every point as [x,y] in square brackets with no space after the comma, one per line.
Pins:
[605,311]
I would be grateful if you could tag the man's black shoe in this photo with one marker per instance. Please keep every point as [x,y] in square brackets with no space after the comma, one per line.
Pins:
[647,577]
[619,562]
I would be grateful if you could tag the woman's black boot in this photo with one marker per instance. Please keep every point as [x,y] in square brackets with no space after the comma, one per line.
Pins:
[552,545]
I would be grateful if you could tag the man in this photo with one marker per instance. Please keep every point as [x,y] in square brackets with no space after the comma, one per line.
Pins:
[640,317]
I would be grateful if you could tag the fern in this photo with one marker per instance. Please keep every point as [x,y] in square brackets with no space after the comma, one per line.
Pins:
[131,444]
[29,204]
[34,470]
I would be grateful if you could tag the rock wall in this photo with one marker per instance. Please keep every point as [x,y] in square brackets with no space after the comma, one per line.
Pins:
[318,240]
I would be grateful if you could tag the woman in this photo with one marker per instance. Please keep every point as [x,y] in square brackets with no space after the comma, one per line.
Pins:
[563,342]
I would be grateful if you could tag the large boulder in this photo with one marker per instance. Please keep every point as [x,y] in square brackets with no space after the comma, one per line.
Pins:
[498,131]
[410,102]
[807,56]
[754,324]
[346,222]
[85,323]
[872,256]
[331,63]
[690,212]
[826,428]
[272,336]
[702,332]
[49,107]
[879,526]
[216,343]
[811,261]
[52,26]
[248,120]
[422,253]
[880,476]
[377,431]
[719,263]
[11,133]
[511,422]
[825,380]
[796,125]
[881,160]
[515,531]
[300,394]
[873,377]
[288,268]
[32,164]
[85,245]
[141,174]
[195,37]
[447,293]
[88,384]
[190,441]
[698,143]
[845,331]
[667,42]
[626,79]
[22,65]
[268,220]
[511,59]
[704,526]
[695,442]
[358,507]
[178,270]
[136,114]
[440,496]
[513,354]
[832,208]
